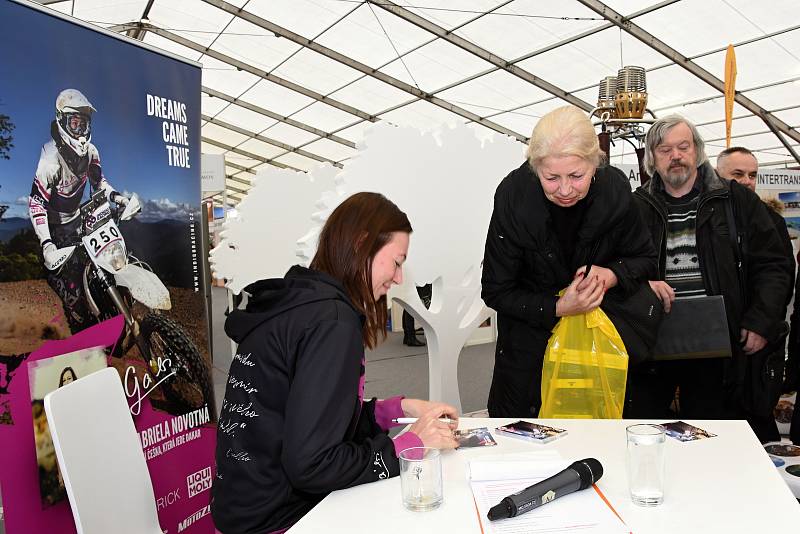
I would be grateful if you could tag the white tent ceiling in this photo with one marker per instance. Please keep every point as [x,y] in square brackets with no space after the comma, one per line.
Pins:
[295,82]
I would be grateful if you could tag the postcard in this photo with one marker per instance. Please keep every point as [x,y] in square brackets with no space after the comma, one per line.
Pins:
[686,432]
[532,431]
[474,437]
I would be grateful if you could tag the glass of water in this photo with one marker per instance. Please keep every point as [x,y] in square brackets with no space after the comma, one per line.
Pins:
[421,478]
[645,462]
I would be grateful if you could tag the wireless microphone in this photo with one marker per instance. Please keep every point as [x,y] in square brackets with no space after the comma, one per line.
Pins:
[580,475]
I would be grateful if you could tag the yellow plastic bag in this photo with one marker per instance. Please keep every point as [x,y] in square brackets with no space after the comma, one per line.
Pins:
[585,369]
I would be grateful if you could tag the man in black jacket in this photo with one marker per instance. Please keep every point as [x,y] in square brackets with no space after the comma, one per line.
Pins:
[740,164]
[684,206]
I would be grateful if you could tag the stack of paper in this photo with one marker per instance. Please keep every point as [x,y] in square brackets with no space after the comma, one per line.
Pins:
[493,479]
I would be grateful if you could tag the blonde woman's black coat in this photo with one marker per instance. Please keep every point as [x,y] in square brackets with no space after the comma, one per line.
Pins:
[524,269]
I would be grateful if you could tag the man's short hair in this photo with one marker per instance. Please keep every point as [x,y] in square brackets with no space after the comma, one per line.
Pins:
[657,132]
[733,150]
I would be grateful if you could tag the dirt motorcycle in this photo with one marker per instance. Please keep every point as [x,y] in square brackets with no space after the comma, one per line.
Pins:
[116,282]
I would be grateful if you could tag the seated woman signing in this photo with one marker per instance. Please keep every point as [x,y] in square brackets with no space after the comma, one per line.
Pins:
[294,423]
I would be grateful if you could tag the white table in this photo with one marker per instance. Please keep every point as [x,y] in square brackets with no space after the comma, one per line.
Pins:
[722,484]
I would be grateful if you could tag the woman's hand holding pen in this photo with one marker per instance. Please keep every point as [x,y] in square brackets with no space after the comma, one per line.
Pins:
[433,432]
[417,407]
[428,427]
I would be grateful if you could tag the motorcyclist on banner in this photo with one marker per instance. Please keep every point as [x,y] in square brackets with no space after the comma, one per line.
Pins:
[66,163]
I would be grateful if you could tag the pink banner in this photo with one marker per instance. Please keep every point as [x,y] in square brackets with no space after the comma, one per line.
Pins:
[179,449]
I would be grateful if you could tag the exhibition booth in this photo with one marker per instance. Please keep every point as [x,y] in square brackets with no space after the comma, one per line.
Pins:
[193,192]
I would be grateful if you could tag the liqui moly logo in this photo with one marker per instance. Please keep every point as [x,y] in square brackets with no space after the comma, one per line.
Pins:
[199,482]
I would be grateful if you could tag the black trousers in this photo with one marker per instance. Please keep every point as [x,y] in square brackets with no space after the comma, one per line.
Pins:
[516,389]
[703,394]
[425,292]
[408,326]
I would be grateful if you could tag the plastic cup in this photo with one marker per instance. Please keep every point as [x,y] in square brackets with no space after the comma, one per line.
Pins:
[421,478]
[645,462]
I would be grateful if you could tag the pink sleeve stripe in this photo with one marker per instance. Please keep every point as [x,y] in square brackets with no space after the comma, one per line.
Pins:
[406,440]
[388,409]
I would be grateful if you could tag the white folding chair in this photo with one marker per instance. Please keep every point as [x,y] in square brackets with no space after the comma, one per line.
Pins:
[100,456]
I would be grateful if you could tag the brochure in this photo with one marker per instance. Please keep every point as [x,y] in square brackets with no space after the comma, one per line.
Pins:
[532,431]
[474,437]
[686,432]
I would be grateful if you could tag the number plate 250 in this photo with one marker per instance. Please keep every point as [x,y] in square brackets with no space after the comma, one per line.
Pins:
[100,238]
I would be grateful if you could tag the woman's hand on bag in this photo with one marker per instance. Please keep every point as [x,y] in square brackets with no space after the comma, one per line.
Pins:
[418,407]
[575,301]
[433,432]
[664,292]
[606,276]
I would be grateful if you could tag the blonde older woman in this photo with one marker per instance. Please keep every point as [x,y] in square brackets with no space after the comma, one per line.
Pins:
[556,212]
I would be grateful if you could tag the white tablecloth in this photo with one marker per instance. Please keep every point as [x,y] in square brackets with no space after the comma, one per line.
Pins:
[722,484]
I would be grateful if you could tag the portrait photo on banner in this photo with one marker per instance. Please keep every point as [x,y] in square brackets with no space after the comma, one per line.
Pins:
[44,376]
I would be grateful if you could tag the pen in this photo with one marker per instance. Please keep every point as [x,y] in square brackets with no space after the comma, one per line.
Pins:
[411,420]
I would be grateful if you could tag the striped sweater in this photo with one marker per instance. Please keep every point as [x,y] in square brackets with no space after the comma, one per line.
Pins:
[683,265]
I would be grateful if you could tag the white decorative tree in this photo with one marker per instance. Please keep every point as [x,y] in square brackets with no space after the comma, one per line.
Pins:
[445,183]
[261,242]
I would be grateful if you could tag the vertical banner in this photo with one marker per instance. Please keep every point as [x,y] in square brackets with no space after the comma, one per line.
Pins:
[730,91]
[100,227]
[783,185]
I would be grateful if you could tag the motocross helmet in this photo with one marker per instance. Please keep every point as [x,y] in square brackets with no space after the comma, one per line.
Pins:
[74,119]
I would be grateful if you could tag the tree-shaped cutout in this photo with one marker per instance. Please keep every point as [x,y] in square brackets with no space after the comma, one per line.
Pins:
[261,242]
[445,183]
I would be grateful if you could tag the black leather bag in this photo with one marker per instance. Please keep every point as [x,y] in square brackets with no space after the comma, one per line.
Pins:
[763,377]
[637,319]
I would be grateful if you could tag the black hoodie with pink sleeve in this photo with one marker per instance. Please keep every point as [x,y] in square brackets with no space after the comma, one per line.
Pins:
[293,426]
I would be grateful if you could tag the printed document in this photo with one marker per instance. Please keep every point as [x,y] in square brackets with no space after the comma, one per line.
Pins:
[582,511]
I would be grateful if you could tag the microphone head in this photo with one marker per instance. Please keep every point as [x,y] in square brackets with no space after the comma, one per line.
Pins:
[589,470]
[500,511]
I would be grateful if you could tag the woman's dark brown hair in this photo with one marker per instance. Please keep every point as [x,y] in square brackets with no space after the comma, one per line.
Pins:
[350,239]
[64,372]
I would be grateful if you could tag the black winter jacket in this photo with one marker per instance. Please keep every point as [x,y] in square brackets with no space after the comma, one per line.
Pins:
[786,240]
[767,270]
[524,268]
[292,429]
